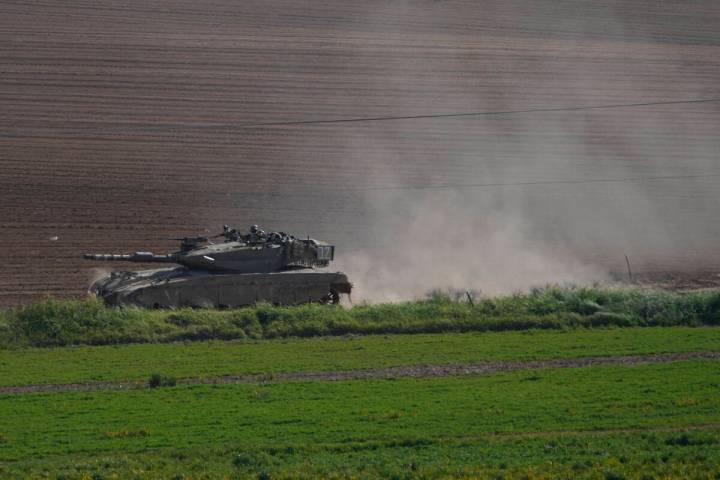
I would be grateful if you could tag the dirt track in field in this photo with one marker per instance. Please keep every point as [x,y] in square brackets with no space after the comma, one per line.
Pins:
[94,96]
[414,371]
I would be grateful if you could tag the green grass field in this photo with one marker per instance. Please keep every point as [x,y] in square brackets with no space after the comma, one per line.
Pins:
[634,421]
[599,422]
[572,421]
[214,358]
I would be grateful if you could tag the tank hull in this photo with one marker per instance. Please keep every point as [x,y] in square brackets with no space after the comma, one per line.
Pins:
[180,287]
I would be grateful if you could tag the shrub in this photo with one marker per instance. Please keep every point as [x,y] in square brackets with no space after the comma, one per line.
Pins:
[687,439]
[610,319]
[67,322]
[125,433]
[156,380]
[711,313]
[251,459]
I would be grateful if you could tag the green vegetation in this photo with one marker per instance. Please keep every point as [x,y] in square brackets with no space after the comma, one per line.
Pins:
[68,322]
[157,380]
[599,422]
[592,455]
[215,358]
[595,422]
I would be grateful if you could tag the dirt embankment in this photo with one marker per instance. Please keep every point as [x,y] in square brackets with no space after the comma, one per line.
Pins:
[412,371]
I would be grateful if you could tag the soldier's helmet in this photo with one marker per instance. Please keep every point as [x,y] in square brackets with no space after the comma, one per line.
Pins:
[254,229]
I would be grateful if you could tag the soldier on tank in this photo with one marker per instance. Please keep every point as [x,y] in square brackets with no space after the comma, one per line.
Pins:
[257,235]
[276,238]
[231,234]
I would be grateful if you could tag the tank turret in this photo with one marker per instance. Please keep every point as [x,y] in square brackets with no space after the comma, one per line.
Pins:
[255,252]
[235,258]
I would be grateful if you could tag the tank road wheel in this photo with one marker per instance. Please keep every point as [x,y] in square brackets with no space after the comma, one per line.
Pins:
[332,298]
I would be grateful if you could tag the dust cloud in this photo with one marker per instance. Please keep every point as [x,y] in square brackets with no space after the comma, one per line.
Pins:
[448,242]
[95,274]
[501,239]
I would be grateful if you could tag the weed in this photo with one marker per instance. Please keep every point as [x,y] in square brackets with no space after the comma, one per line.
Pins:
[67,322]
[251,459]
[614,476]
[157,380]
[687,439]
[125,433]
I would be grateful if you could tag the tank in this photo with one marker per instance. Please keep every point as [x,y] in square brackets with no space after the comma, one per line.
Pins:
[227,270]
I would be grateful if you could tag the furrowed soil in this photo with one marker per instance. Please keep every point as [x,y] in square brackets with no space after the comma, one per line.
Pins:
[94,155]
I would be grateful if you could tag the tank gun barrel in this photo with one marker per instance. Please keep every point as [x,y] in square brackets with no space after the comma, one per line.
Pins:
[137,257]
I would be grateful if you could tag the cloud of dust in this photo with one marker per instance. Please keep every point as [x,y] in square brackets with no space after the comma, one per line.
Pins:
[95,274]
[505,239]
[446,241]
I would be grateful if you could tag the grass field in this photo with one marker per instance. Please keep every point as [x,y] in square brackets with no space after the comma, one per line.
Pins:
[214,358]
[601,421]
[652,420]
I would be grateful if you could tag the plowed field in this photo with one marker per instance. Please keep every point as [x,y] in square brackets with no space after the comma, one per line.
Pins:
[119,127]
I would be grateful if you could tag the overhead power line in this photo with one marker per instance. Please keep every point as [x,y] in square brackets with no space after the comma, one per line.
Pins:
[320,191]
[225,126]
[530,183]
[467,114]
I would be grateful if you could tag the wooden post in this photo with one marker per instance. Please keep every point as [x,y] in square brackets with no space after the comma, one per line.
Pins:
[630,275]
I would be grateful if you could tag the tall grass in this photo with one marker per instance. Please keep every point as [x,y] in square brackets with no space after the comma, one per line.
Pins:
[68,322]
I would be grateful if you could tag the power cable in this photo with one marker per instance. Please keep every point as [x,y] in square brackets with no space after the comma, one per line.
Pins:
[530,183]
[196,126]
[466,114]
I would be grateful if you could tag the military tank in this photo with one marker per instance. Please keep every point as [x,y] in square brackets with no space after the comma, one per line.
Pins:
[240,269]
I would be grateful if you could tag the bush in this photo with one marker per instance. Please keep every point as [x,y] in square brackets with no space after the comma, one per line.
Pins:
[59,322]
[156,380]
[711,312]
[688,439]
[6,332]
[69,322]
[610,319]
[252,459]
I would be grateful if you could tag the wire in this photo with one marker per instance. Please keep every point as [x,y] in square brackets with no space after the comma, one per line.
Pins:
[467,114]
[321,192]
[196,126]
[530,183]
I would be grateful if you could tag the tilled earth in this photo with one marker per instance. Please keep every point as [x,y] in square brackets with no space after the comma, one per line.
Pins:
[119,127]
[679,281]
[415,371]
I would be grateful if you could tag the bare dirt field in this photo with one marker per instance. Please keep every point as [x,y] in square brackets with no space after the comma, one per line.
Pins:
[120,125]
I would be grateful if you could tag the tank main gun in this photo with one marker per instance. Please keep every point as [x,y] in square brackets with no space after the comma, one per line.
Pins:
[137,257]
